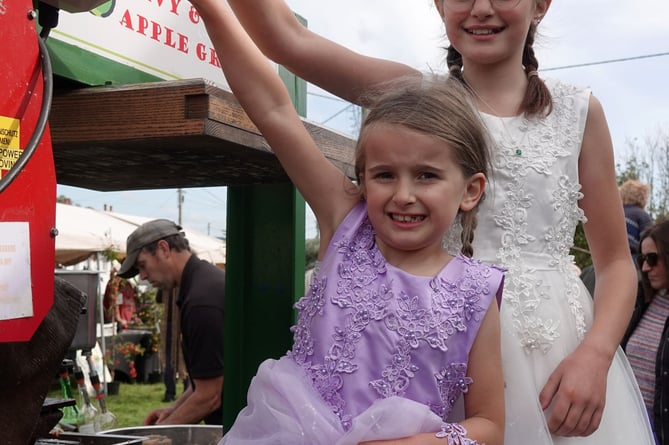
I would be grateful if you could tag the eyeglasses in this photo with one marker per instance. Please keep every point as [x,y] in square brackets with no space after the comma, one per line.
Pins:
[650,258]
[466,5]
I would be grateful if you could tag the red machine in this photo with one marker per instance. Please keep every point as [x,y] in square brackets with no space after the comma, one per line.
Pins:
[28,182]
[27,173]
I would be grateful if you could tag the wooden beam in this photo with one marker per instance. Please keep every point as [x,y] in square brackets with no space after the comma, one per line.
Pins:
[186,133]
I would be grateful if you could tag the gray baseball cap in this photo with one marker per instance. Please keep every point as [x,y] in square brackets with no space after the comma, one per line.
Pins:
[142,236]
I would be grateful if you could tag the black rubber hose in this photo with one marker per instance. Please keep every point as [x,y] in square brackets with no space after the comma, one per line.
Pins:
[40,126]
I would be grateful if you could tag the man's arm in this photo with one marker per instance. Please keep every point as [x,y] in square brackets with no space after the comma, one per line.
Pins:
[194,404]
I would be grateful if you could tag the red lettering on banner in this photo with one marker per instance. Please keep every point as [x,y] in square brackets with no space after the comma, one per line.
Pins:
[174,5]
[201,51]
[155,31]
[168,38]
[125,20]
[204,53]
[142,24]
[213,59]
[183,43]
[193,15]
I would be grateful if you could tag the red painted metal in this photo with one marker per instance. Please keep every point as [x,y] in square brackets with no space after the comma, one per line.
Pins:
[31,197]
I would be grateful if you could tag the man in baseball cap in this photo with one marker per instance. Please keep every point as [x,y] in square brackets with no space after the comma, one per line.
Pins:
[159,252]
[144,235]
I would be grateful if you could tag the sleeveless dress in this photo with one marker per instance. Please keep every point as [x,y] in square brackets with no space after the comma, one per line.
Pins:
[526,225]
[378,353]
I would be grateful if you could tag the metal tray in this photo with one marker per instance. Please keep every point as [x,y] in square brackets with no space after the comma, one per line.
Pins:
[179,434]
[91,439]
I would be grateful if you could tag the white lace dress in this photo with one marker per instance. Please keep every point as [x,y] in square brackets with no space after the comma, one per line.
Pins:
[526,224]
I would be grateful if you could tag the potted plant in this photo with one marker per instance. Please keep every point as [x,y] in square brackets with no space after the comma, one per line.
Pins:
[148,315]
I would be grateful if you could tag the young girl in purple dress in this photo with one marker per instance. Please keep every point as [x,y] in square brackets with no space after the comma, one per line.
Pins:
[394,331]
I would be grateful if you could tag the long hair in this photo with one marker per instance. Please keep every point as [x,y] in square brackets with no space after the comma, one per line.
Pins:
[538,100]
[659,233]
[440,107]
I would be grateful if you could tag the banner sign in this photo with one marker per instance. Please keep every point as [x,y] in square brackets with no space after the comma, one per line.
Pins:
[165,38]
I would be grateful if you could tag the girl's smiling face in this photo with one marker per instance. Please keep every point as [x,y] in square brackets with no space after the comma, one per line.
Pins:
[484,34]
[413,188]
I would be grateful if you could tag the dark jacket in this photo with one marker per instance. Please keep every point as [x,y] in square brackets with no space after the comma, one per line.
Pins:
[636,220]
[661,403]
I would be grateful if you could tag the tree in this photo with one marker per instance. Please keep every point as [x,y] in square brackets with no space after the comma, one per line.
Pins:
[647,161]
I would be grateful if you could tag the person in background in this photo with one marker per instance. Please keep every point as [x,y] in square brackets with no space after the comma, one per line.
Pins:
[647,341]
[159,252]
[119,299]
[635,198]
[553,166]
[394,329]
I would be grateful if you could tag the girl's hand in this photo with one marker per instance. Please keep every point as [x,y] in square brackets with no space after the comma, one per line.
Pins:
[576,392]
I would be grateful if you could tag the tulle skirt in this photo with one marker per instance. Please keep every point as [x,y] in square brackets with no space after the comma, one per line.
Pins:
[283,408]
[624,420]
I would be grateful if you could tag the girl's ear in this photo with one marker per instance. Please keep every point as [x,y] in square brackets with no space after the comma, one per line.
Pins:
[542,8]
[473,192]
[439,4]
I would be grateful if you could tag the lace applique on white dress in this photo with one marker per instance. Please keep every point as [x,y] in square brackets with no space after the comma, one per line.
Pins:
[526,225]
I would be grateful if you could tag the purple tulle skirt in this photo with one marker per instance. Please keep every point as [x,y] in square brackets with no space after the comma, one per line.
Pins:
[283,408]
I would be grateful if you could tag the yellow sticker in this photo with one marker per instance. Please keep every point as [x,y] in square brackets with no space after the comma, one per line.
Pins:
[10,151]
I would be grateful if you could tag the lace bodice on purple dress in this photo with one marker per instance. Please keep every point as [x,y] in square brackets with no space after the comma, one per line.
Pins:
[367,330]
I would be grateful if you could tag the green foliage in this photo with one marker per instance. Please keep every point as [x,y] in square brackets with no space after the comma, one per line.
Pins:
[110,254]
[148,313]
[580,251]
[646,161]
[633,169]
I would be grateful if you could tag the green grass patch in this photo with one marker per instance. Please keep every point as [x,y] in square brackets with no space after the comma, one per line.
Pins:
[133,401]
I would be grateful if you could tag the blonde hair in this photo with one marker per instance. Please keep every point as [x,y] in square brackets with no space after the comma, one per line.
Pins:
[443,108]
[633,192]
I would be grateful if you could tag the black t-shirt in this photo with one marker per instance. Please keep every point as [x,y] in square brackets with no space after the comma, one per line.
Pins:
[201,305]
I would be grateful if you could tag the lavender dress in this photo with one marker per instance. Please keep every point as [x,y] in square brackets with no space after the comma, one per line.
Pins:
[378,353]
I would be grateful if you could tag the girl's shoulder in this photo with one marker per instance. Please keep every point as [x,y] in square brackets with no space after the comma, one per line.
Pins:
[561,90]
[489,277]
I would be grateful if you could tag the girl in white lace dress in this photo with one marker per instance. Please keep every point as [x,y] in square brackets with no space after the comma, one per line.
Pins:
[567,381]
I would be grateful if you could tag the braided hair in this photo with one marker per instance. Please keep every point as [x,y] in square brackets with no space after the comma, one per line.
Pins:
[538,100]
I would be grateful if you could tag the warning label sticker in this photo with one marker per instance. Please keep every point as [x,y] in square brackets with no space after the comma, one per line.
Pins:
[10,151]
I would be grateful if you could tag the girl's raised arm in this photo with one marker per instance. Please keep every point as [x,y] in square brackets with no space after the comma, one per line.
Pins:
[259,89]
[282,38]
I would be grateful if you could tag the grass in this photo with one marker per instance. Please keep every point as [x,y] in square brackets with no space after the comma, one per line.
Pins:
[133,401]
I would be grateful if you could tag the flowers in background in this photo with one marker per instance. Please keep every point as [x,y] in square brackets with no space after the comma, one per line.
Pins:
[148,314]
[128,351]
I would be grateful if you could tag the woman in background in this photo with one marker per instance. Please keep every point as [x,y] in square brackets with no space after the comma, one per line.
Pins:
[647,342]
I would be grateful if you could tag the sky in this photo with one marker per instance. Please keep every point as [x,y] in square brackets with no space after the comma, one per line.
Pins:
[632,36]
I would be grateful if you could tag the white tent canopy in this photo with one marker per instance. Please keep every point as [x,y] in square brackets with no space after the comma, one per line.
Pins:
[84,231]
[206,247]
